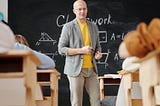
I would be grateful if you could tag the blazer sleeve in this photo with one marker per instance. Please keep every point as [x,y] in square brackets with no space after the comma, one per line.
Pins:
[63,41]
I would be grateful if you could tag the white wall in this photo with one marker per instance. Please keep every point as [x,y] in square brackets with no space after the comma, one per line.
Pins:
[4,9]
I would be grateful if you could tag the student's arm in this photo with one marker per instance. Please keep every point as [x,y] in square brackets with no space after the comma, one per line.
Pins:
[47,62]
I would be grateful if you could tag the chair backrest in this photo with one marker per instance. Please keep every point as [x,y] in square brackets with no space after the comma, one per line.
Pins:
[129,93]
[48,78]
[149,77]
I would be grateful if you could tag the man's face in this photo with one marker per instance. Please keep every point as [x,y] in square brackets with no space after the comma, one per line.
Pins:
[80,10]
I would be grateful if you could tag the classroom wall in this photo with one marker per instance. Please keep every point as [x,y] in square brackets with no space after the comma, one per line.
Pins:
[4,9]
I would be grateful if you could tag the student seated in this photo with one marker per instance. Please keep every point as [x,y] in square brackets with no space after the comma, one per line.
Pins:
[10,41]
[22,44]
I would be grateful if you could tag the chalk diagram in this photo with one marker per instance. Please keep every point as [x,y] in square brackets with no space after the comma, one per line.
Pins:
[104,39]
[46,38]
[105,55]
[52,55]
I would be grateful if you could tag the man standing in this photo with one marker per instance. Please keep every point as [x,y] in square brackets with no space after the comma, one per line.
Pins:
[79,42]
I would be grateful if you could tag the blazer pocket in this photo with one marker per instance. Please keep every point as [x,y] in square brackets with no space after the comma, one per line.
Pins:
[70,59]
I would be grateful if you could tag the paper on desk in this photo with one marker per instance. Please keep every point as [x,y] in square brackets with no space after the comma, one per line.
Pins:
[114,76]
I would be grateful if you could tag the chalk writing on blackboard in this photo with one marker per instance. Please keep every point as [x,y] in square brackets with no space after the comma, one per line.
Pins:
[103,36]
[52,55]
[117,36]
[45,38]
[62,19]
[102,20]
[104,58]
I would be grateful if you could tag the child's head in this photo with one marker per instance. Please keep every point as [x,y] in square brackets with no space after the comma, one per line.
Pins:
[21,39]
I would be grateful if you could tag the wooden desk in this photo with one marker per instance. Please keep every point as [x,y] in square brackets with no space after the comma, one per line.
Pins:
[20,64]
[128,82]
[107,81]
[49,78]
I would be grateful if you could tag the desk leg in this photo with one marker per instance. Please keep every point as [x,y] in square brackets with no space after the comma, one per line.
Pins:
[101,89]
[54,90]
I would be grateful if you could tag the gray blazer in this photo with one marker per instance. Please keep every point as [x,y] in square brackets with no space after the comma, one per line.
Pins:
[71,38]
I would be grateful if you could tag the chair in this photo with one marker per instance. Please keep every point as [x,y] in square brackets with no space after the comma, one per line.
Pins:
[107,80]
[132,90]
[149,74]
[129,93]
[48,78]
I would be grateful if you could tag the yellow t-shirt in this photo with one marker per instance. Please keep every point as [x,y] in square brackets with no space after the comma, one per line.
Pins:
[87,60]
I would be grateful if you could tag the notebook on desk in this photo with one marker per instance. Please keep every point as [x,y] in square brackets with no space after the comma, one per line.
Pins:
[114,76]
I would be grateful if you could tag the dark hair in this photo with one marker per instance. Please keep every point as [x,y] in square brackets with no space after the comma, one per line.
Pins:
[21,39]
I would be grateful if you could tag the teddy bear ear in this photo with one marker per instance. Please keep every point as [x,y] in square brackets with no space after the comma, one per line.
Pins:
[7,39]
[146,36]
[142,28]
[154,29]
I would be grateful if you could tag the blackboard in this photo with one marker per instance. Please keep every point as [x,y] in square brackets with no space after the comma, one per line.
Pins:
[41,21]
